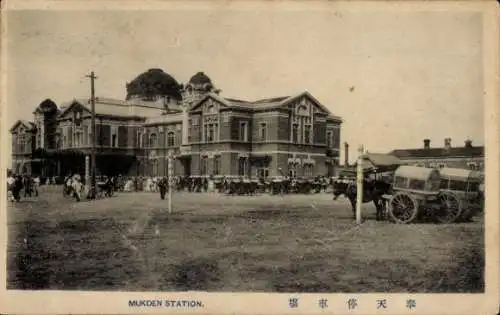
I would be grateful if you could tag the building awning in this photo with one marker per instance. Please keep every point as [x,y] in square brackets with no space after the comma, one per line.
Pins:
[380,162]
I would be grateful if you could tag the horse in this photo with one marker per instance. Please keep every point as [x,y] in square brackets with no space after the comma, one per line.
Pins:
[372,192]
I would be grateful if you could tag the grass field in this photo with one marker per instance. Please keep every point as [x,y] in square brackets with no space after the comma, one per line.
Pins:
[214,242]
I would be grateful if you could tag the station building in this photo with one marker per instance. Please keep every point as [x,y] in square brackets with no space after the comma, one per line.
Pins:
[467,156]
[208,134]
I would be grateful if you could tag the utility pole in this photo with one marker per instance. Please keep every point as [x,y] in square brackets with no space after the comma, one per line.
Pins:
[92,77]
[359,186]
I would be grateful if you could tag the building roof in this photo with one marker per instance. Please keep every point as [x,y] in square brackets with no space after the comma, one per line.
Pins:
[47,105]
[266,103]
[112,107]
[152,83]
[439,152]
[200,78]
[163,119]
[30,126]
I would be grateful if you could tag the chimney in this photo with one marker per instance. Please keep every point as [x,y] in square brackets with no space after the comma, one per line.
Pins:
[447,143]
[427,143]
[346,154]
[468,143]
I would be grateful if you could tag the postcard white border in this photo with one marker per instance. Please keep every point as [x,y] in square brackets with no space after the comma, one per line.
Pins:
[52,302]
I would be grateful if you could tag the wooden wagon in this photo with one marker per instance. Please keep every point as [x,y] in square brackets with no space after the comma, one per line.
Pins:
[461,191]
[414,194]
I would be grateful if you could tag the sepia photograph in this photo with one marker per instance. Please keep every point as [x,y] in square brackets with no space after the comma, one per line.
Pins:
[220,148]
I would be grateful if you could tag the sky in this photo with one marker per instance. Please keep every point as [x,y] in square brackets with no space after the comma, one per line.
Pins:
[394,77]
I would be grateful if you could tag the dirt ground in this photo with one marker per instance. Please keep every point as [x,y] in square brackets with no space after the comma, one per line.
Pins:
[213,242]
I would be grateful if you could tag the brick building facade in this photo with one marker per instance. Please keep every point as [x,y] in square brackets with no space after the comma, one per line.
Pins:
[207,133]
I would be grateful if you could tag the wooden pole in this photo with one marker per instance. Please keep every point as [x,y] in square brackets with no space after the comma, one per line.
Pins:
[359,185]
[92,77]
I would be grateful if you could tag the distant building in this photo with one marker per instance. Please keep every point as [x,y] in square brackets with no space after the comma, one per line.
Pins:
[466,157]
[209,134]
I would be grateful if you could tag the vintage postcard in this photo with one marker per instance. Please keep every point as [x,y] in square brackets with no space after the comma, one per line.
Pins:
[250,157]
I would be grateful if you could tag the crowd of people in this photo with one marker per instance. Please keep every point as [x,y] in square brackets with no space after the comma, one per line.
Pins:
[73,185]
[16,183]
[224,184]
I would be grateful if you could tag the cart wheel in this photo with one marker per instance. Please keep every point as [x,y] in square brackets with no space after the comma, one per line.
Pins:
[450,209]
[403,208]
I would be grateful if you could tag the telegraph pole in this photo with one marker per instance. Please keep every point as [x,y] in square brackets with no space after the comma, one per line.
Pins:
[359,186]
[92,77]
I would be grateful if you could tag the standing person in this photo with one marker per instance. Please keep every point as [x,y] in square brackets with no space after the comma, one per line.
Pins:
[11,181]
[36,185]
[28,185]
[18,185]
[163,187]
[205,184]
[76,187]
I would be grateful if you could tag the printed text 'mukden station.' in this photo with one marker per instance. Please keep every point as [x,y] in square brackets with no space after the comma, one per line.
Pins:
[166,303]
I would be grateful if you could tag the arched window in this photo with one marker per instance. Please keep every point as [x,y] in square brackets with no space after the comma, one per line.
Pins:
[152,140]
[171,139]
[211,109]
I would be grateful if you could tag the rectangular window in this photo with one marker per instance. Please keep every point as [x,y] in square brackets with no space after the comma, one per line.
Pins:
[329,139]
[204,166]
[217,165]
[86,135]
[210,133]
[243,131]
[69,132]
[307,134]
[295,133]
[138,143]
[14,143]
[75,140]
[263,132]
[171,139]
[39,136]
[263,172]
[336,138]
[308,170]
[400,182]
[189,130]
[417,184]
[155,167]
[242,166]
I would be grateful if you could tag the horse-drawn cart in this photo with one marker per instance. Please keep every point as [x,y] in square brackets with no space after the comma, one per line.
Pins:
[414,194]
[425,193]
[461,190]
